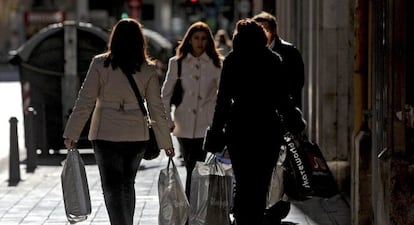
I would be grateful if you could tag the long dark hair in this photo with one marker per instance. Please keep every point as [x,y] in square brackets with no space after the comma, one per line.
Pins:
[248,36]
[127,47]
[184,46]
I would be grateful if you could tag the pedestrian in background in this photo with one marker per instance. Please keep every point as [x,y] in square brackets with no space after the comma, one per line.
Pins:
[223,41]
[291,57]
[251,74]
[200,76]
[118,129]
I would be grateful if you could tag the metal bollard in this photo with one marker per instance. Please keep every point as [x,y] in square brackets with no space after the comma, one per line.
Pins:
[14,161]
[31,145]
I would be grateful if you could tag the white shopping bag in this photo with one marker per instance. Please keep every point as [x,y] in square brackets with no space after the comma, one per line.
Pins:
[75,188]
[211,193]
[276,190]
[174,206]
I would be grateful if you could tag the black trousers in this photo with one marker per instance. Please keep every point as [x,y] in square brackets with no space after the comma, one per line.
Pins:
[118,163]
[254,150]
[193,152]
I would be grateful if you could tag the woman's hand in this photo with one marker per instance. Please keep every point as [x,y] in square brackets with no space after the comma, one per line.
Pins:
[170,152]
[69,143]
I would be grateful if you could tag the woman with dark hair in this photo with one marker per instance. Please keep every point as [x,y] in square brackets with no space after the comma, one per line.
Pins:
[251,94]
[118,129]
[200,74]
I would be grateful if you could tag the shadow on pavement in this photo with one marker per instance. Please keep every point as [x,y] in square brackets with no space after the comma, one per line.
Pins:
[336,208]
[57,160]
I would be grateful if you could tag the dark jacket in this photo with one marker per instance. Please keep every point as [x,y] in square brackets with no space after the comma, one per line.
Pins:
[249,96]
[293,65]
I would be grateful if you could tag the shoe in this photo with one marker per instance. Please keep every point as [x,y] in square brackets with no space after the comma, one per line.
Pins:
[267,221]
[275,214]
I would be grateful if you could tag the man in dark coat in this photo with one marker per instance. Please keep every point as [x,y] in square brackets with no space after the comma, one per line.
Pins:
[293,67]
[291,57]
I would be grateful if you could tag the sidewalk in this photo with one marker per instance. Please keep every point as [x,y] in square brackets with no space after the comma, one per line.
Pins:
[37,199]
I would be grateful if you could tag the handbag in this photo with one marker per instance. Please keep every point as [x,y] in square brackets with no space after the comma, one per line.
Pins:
[178,91]
[152,150]
[75,188]
[211,193]
[174,207]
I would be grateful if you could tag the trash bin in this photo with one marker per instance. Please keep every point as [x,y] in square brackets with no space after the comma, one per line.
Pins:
[52,66]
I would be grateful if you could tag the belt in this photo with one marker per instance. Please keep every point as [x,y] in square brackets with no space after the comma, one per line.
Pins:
[117,105]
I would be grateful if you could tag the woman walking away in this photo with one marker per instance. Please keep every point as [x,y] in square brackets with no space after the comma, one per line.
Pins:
[251,74]
[200,74]
[118,128]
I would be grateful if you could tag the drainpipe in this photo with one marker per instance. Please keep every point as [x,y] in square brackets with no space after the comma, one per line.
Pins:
[361,202]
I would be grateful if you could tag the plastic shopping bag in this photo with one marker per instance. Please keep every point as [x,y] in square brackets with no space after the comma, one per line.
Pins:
[211,193]
[75,188]
[276,188]
[174,206]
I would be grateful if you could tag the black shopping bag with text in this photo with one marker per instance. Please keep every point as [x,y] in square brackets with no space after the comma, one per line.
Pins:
[307,173]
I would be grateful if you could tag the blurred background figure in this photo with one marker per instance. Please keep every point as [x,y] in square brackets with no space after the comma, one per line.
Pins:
[223,41]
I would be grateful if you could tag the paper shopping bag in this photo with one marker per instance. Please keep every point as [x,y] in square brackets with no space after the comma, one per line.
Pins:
[174,206]
[75,188]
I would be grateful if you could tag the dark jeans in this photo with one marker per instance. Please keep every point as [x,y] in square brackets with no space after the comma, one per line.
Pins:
[118,164]
[193,152]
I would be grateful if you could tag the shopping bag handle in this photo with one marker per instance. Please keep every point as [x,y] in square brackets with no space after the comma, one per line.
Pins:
[170,161]
[74,148]
[212,158]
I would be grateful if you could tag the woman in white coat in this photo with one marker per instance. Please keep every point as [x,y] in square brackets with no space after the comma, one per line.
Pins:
[200,76]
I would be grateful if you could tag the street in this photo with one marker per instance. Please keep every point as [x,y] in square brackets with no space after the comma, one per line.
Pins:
[37,198]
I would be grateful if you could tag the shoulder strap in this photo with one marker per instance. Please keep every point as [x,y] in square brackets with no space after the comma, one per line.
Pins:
[137,94]
[179,68]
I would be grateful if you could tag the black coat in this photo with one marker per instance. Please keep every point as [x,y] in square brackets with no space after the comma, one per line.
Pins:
[249,96]
[253,94]
[293,65]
